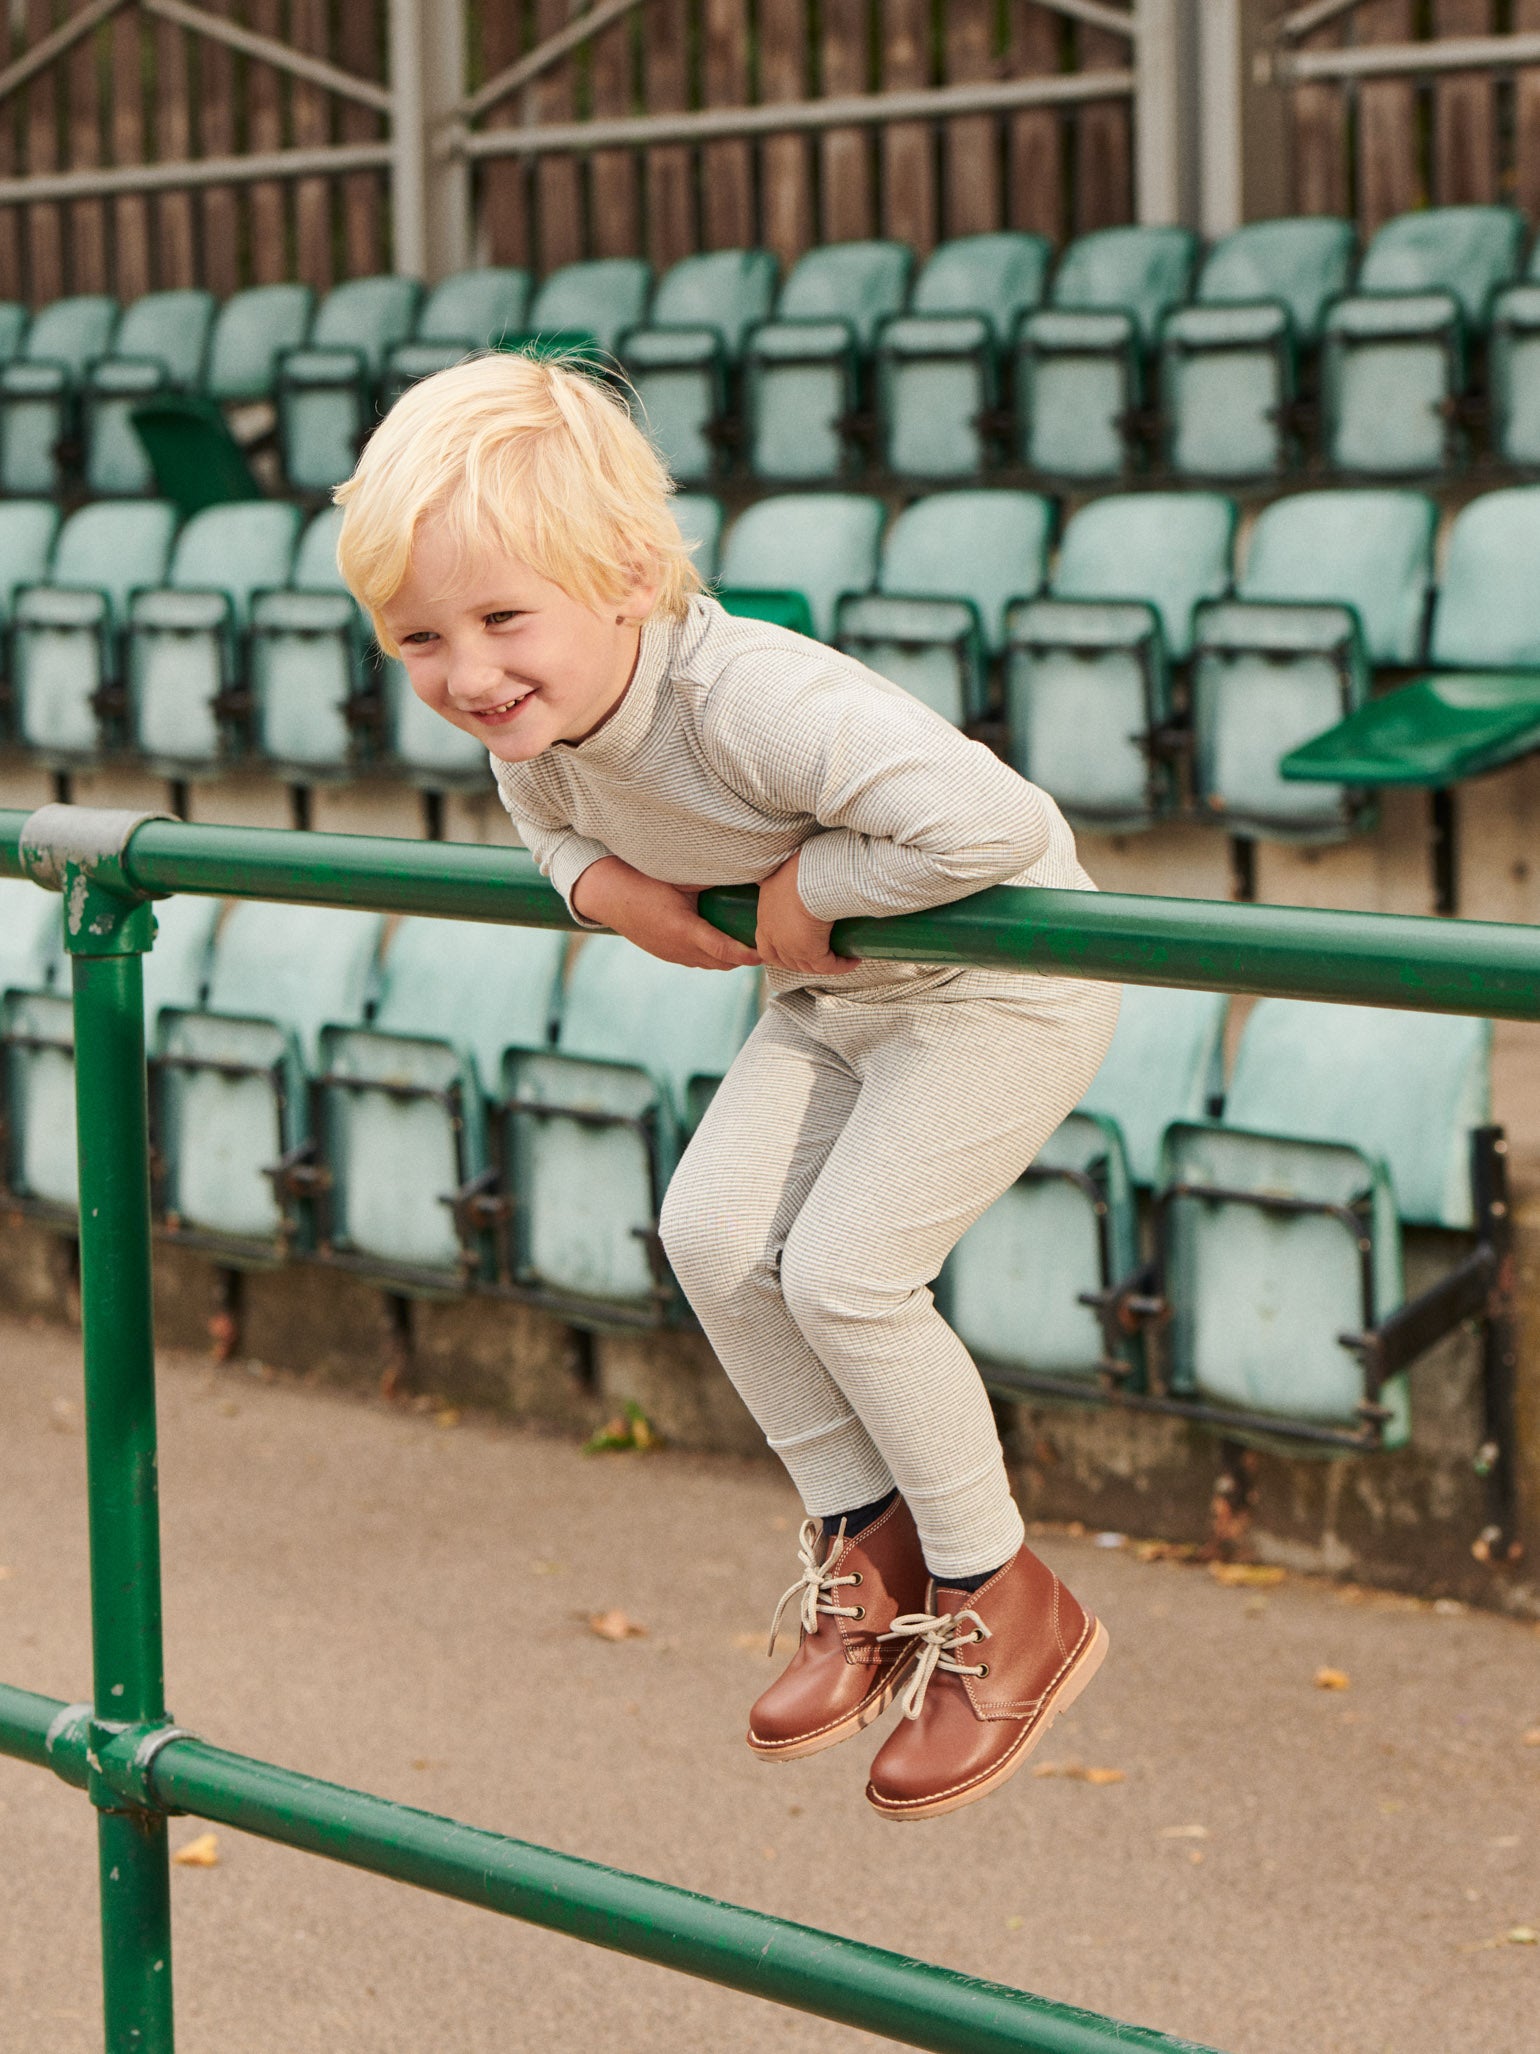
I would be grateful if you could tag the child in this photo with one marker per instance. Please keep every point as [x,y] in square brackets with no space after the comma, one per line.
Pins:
[509,530]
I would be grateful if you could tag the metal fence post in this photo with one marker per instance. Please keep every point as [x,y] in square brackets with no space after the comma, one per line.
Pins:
[429,185]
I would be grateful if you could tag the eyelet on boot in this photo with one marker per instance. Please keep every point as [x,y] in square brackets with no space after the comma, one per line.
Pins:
[860,1611]
[983,1668]
[858,1577]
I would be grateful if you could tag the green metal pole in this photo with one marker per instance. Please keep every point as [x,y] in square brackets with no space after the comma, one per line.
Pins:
[127,1663]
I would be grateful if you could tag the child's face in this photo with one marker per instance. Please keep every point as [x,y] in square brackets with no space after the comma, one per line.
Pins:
[501,652]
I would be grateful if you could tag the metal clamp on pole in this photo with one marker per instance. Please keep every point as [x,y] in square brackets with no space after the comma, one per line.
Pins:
[82,851]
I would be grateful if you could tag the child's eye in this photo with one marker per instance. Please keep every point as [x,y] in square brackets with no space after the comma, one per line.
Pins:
[495,620]
[419,638]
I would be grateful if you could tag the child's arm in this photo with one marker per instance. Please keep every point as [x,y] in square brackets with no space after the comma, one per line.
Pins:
[660,918]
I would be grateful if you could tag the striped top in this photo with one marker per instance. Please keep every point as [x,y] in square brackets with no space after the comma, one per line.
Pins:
[737,742]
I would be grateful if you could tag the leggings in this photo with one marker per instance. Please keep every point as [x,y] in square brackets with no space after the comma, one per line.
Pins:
[852,1143]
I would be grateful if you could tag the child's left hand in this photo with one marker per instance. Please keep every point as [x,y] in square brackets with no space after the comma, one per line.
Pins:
[788,937]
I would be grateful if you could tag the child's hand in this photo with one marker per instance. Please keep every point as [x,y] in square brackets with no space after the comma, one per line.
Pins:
[660,918]
[788,937]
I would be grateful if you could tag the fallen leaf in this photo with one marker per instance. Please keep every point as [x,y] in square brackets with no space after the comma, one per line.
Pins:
[1247,1575]
[1391,1805]
[1105,1776]
[628,1429]
[1015,1922]
[1184,1832]
[1166,1551]
[448,1415]
[1077,1772]
[202,1853]
[615,1625]
[1522,1936]
[1332,1679]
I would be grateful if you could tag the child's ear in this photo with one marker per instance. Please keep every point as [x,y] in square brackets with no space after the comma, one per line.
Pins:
[636,605]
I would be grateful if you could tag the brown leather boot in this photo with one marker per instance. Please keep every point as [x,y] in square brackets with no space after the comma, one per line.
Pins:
[844,1673]
[969,1725]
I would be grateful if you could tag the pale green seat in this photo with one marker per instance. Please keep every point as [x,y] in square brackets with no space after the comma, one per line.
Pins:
[67,627]
[701,520]
[39,1034]
[806,371]
[251,332]
[326,385]
[1366,1112]
[13,329]
[40,391]
[683,361]
[31,935]
[427,750]
[1480,708]
[1088,669]
[1395,358]
[1014,1285]
[310,666]
[939,364]
[594,1128]
[1231,361]
[951,566]
[473,310]
[160,346]
[588,305]
[185,637]
[232,1097]
[28,528]
[410,1183]
[1336,584]
[1082,360]
[821,544]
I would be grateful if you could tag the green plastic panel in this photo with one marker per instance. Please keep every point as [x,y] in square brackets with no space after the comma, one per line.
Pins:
[475,308]
[988,547]
[859,283]
[601,298]
[821,544]
[1164,1064]
[1371,551]
[781,608]
[1432,732]
[251,331]
[932,648]
[1466,251]
[1298,263]
[724,291]
[1168,549]
[1488,611]
[1083,683]
[196,460]
[1144,271]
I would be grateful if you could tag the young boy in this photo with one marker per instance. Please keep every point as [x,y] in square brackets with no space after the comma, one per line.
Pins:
[509,530]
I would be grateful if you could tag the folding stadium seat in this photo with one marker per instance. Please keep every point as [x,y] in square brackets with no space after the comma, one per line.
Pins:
[67,627]
[940,364]
[311,665]
[594,1128]
[325,387]
[1481,707]
[1231,362]
[819,545]
[1281,1228]
[27,531]
[410,1190]
[1082,360]
[13,329]
[231,1117]
[472,310]
[700,519]
[1088,669]
[31,935]
[806,370]
[1335,584]
[252,330]
[160,346]
[186,637]
[951,566]
[1394,363]
[588,306]
[683,363]
[38,1033]
[40,391]
[1513,369]
[1017,1285]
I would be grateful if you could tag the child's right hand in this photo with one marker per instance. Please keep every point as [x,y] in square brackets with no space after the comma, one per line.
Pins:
[660,918]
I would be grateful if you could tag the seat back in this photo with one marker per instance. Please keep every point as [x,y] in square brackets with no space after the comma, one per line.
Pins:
[300,966]
[72,332]
[1170,549]
[1165,1063]
[477,308]
[27,531]
[368,315]
[171,328]
[1466,251]
[1369,550]
[1141,271]
[856,282]
[1404,1089]
[601,298]
[726,290]
[997,275]
[114,548]
[1301,263]
[237,550]
[31,935]
[486,989]
[989,547]
[700,519]
[1488,607]
[624,1006]
[822,544]
[315,561]
[250,331]
[13,329]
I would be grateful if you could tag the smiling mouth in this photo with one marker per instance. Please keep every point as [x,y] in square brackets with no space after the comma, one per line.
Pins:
[497,716]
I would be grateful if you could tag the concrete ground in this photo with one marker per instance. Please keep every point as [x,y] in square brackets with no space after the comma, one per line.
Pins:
[398,1599]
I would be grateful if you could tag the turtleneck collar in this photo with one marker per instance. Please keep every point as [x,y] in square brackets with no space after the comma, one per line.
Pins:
[617,736]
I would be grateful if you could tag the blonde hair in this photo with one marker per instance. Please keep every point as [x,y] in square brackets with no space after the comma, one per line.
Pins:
[528,455]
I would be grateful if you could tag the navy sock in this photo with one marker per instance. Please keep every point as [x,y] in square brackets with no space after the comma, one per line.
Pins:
[967,1582]
[857,1520]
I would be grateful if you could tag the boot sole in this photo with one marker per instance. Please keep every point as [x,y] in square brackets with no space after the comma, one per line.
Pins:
[863,1716]
[1061,1700]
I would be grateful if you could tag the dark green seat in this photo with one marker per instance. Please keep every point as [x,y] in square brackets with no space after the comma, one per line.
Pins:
[195,458]
[160,346]
[781,608]
[683,362]
[40,391]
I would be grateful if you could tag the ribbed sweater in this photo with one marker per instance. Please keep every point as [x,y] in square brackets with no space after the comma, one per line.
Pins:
[737,742]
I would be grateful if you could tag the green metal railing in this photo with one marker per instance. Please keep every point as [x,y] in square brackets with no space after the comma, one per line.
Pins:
[137,1768]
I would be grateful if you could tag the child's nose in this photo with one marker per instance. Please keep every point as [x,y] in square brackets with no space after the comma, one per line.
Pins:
[472,680]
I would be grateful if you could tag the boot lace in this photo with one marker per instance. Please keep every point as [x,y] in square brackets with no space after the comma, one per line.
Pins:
[940,1636]
[814,1588]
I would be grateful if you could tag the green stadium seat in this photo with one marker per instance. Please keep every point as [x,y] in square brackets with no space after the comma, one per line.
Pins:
[13,329]
[40,391]
[31,935]
[1482,707]
[806,370]
[1082,360]
[1088,669]
[251,332]
[186,637]
[311,666]
[1281,1227]
[1016,1285]
[160,346]
[683,362]
[410,1188]
[473,310]
[700,519]
[325,386]
[821,544]
[1335,585]
[193,453]
[939,365]
[67,627]
[1230,362]
[588,306]
[594,1128]
[951,566]
[782,609]
[1394,362]
[230,1106]
[28,528]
